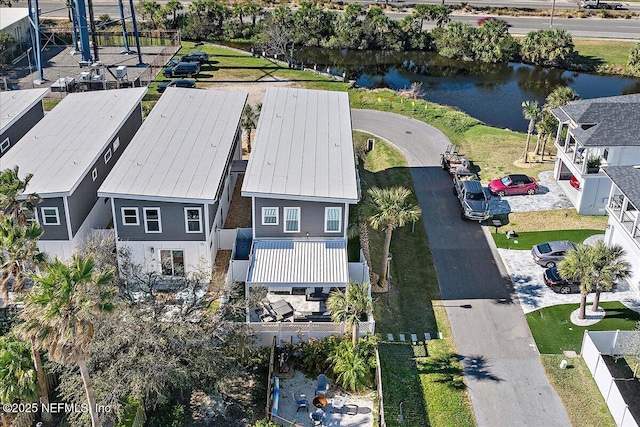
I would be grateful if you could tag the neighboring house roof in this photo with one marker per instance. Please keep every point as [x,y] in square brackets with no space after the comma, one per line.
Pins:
[303,148]
[13,104]
[286,262]
[182,149]
[11,15]
[61,148]
[604,122]
[627,179]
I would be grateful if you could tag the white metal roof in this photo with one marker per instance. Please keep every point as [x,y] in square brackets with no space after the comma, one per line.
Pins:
[10,15]
[61,148]
[303,147]
[13,104]
[292,261]
[182,148]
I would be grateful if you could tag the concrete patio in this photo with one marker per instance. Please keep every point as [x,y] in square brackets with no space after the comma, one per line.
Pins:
[357,411]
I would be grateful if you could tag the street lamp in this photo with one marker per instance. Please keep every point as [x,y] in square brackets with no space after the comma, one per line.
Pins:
[400,417]
[389,257]
[553,7]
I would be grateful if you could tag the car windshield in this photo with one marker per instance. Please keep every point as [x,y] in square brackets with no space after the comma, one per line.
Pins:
[544,248]
[475,196]
[506,180]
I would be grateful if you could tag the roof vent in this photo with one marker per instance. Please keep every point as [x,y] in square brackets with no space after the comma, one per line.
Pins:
[636,166]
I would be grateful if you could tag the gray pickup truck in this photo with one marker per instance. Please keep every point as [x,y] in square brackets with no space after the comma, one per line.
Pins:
[473,201]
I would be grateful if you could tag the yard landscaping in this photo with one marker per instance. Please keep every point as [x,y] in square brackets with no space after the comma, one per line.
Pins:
[554,333]
[557,219]
[526,240]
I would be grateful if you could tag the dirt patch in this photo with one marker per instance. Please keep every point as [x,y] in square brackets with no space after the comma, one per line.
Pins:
[256,90]
[239,215]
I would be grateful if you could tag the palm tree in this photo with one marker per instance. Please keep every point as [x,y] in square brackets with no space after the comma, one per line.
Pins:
[421,12]
[389,209]
[19,253]
[547,124]
[609,268]
[173,6]
[250,121]
[60,311]
[350,305]
[560,96]
[17,376]
[13,200]
[578,265]
[531,112]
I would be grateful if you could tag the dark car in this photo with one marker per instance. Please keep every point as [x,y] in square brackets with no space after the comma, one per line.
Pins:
[200,57]
[176,83]
[548,254]
[559,284]
[513,184]
[182,69]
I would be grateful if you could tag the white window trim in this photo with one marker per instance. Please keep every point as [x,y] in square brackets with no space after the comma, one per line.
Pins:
[186,220]
[123,208]
[277,215]
[284,221]
[44,217]
[326,219]
[5,145]
[116,143]
[144,215]
[94,174]
[171,251]
[107,156]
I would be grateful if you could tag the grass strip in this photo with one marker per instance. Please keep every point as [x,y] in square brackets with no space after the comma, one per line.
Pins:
[526,240]
[557,219]
[578,391]
[554,333]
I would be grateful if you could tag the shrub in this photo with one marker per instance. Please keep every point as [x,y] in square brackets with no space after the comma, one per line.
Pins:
[634,58]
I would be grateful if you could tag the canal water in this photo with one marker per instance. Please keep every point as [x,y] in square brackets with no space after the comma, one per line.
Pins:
[492,93]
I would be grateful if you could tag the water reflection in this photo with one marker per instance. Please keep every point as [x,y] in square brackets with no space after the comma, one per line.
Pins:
[492,93]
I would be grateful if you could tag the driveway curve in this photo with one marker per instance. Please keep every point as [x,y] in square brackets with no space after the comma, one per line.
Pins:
[506,382]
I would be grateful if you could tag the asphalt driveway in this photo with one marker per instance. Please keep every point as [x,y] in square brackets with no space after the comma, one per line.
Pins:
[507,384]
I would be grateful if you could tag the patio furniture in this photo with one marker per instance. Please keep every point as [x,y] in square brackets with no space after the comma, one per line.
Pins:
[351,409]
[317,417]
[320,402]
[282,310]
[338,403]
[323,385]
[301,402]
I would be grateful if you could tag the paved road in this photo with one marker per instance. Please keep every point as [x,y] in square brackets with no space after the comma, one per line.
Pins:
[507,383]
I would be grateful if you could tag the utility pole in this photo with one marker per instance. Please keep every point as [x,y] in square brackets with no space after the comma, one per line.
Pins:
[553,8]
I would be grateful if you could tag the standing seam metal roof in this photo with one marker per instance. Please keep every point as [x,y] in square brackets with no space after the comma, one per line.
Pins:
[15,103]
[303,147]
[291,261]
[182,148]
[61,148]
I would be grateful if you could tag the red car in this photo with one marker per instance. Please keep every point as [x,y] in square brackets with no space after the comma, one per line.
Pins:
[513,184]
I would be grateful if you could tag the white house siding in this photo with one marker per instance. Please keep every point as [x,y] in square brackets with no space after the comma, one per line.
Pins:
[616,234]
[15,21]
[197,256]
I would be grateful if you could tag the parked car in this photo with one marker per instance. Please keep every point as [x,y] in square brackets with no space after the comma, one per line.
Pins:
[548,254]
[200,57]
[473,202]
[176,83]
[513,184]
[559,284]
[182,69]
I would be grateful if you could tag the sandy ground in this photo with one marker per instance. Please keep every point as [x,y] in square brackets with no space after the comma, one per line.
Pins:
[357,412]
[256,90]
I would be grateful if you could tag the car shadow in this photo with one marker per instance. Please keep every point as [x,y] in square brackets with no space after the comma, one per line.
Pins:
[543,189]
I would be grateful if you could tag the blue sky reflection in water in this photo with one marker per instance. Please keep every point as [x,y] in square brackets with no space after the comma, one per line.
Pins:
[492,93]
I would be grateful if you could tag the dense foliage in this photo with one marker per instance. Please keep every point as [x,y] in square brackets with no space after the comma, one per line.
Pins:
[552,47]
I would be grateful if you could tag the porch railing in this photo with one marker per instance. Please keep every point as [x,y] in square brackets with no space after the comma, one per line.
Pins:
[301,331]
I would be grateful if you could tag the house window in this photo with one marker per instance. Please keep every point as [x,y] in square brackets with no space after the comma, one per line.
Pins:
[172,262]
[94,174]
[30,215]
[130,216]
[605,154]
[152,220]
[269,216]
[50,216]
[116,144]
[107,156]
[291,220]
[4,146]
[332,220]
[193,220]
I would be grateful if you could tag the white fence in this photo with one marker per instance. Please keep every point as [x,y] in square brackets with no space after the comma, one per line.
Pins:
[226,238]
[594,345]
[301,331]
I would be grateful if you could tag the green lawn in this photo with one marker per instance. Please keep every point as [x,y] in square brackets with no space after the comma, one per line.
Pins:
[604,55]
[526,240]
[553,331]
[585,408]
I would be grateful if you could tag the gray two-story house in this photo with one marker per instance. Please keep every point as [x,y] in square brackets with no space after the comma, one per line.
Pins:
[302,178]
[172,187]
[70,152]
[20,110]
